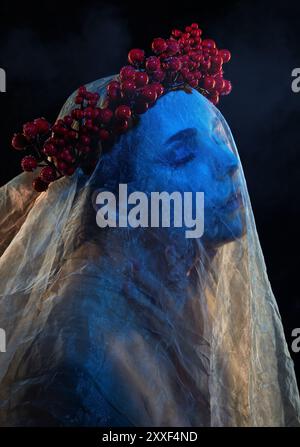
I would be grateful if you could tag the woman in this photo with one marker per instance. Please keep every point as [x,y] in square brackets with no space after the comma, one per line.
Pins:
[142,326]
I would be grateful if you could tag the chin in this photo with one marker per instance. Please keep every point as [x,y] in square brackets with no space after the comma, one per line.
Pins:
[230,228]
[234,227]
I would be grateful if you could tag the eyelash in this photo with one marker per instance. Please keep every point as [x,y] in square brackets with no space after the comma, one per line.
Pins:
[181,160]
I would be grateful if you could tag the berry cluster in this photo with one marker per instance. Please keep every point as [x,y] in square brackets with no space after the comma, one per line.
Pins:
[184,61]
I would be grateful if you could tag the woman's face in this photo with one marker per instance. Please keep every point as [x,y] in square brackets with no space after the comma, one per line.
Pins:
[180,145]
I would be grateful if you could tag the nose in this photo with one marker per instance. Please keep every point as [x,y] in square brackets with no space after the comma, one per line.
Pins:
[227,162]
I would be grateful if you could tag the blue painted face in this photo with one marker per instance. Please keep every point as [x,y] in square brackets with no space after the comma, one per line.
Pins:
[180,145]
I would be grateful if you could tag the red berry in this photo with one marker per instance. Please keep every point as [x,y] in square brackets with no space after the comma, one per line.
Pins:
[214,98]
[42,125]
[69,170]
[29,163]
[196,57]
[205,65]
[113,85]
[194,83]
[159,89]
[219,85]
[141,106]
[185,37]
[195,33]
[96,96]
[85,140]
[77,114]
[197,75]
[158,75]
[152,63]
[61,166]
[189,77]
[92,103]
[79,100]
[172,47]
[148,93]
[226,55]
[128,88]
[208,43]
[184,72]
[96,112]
[121,126]
[227,88]
[59,130]
[68,120]
[59,142]
[123,112]
[141,79]
[71,135]
[19,141]
[136,56]
[216,60]
[49,149]
[89,124]
[66,155]
[39,185]
[159,45]
[48,174]
[82,91]
[105,115]
[209,83]
[174,64]
[127,73]
[30,130]
[113,93]
[104,134]
[89,96]
[176,33]
[88,113]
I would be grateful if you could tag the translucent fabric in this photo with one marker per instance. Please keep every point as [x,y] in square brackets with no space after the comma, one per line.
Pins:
[143,327]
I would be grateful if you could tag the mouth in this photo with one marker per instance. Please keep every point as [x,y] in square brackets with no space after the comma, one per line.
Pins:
[234,202]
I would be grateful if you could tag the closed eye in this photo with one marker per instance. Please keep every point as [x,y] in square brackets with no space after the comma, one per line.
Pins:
[182,148]
[182,158]
[179,156]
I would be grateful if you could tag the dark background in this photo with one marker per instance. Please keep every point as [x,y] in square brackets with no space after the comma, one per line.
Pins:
[50,48]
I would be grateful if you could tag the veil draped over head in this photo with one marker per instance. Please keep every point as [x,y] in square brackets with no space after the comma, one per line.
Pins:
[96,338]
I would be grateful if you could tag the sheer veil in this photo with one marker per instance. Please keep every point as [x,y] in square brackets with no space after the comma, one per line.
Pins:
[214,356]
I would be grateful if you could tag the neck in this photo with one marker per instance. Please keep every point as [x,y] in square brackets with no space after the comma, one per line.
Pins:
[175,262]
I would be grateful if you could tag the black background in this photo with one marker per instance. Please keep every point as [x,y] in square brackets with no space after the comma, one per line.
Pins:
[50,48]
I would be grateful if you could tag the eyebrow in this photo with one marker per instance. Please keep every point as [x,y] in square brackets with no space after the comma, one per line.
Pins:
[181,135]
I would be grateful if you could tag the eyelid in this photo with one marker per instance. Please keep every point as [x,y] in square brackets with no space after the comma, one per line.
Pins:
[188,154]
[184,160]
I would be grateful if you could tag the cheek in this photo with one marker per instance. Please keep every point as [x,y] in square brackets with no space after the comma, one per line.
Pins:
[196,175]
